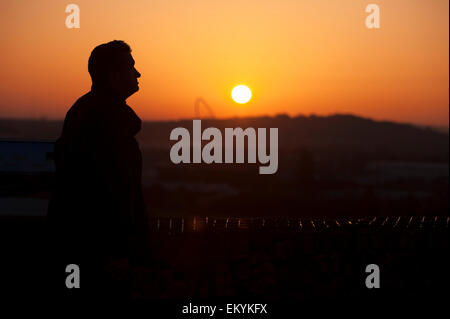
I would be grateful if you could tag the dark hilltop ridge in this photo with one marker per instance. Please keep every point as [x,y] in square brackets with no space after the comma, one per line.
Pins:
[348,132]
[339,165]
[382,140]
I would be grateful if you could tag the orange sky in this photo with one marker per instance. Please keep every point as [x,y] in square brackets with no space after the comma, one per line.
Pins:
[298,57]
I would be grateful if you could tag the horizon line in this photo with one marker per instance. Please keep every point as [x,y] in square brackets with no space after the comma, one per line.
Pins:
[181,119]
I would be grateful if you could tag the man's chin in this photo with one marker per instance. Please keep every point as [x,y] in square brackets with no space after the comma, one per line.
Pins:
[132,91]
[135,89]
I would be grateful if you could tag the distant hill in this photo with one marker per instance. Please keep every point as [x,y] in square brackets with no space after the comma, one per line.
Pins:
[343,132]
[340,165]
[340,132]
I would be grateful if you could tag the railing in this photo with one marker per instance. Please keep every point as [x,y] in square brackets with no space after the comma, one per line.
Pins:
[284,224]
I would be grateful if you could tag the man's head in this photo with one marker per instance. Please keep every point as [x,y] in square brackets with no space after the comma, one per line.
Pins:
[111,65]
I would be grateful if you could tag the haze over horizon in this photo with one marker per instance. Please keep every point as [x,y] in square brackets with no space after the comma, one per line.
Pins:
[298,58]
[441,128]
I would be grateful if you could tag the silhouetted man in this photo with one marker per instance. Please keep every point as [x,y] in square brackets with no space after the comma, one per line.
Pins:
[97,211]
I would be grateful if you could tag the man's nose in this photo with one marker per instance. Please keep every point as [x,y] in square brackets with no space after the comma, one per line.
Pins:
[138,75]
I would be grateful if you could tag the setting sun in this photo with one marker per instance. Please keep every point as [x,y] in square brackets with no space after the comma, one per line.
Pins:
[241,94]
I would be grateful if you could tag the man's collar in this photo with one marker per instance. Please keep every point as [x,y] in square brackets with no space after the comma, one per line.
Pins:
[107,92]
[126,118]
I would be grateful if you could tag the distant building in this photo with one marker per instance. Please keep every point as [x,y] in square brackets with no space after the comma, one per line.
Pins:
[26,173]
[26,157]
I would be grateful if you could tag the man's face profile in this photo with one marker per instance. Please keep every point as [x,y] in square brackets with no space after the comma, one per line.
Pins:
[124,78]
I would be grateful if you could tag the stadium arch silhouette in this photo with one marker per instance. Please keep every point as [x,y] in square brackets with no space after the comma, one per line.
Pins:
[201,102]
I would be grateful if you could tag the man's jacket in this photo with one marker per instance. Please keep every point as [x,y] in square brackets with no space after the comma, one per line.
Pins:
[97,207]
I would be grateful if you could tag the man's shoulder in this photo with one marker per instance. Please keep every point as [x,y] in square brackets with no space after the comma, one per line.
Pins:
[82,114]
[86,107]
[84,102]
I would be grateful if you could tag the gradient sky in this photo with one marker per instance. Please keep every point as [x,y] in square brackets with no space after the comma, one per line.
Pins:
[297,56]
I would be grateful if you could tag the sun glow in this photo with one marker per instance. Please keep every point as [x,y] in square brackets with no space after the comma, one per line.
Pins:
[241,94]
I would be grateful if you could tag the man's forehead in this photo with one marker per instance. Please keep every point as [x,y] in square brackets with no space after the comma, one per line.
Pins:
[127,58]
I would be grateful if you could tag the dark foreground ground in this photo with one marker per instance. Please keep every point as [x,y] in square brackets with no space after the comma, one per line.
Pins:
[270,258]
